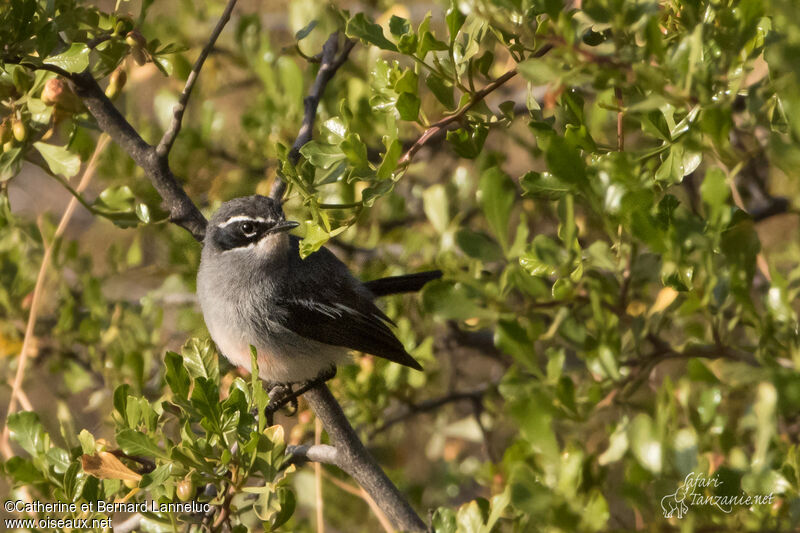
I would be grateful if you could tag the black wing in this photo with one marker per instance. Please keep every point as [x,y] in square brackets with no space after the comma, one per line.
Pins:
[363,329]
[335,308]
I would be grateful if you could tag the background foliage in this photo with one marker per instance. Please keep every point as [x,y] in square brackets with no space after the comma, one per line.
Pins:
[616,223]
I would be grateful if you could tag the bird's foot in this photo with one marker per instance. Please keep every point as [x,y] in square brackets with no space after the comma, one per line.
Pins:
[281,394]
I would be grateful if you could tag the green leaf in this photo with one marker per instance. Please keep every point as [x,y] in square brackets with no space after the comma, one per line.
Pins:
[60,160]
[176,375]
[468,142]
[399,26]
[390,159]
[200,359]
[287,503]
[478,245]
[496,195]
[444,520]
[540,71]
[645,443]
[408,106]
[565,162]
[322,155]
[205,397]
[135,442]
[453,301]
[454,19]
[436,205]
[544,184]
[355,151]
[74,59]
[715,190]
[27,431]
[10,163]
[365,29]
[442,89]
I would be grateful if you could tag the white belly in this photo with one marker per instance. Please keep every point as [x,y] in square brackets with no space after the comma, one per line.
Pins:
[284,358]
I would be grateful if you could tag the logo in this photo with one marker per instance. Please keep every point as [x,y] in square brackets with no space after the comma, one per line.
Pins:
[692,492]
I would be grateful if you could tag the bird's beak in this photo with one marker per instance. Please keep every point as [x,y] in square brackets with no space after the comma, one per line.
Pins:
[282,226]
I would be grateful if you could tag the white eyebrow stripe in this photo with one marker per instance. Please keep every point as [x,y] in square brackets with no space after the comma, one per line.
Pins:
[240,218]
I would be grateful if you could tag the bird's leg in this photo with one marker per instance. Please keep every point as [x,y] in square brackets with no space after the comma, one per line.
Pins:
[281,394]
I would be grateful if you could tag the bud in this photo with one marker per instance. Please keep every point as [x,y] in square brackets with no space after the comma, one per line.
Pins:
[123,26]
[135,39]
[115,83]
[130,483]
[19,129]
[5,132]
[138,45]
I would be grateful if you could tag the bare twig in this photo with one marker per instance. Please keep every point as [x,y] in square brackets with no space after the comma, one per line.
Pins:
[165,144]
[361,493]
[436,127]
[643,366]
[620,116]
[88,174]
[329,64]
[352,457]
[431,405]
[319,508]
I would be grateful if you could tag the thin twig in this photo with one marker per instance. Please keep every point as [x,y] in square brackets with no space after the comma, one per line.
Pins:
[88,174]
[477,97]
[319,509]
[431,405]
[620,115]
[329,64]
[167,140]
[361,493]
[436,127]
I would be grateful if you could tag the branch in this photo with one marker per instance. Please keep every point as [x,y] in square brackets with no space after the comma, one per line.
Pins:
[182,210]
[352,457]
[437,127]
[318,453]
[431,405]
[329,64]
[165,144]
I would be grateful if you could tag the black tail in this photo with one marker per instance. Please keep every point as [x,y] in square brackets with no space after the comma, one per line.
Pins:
[400,284]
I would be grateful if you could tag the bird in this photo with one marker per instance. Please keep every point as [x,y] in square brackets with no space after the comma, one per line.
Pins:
[302,316]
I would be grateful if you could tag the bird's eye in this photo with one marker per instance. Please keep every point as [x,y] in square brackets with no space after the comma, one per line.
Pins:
[248,229]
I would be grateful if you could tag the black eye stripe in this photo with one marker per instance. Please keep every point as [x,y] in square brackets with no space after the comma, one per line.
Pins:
[232,234]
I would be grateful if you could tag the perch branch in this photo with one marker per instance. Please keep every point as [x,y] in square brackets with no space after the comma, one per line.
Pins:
[350,454]
[182,210]
[352,457]
[165,144]
[329,64]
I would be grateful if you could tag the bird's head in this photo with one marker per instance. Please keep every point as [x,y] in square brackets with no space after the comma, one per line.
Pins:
[253,224]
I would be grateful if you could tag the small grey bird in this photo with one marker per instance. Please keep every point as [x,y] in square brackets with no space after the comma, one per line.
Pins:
[302,315]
